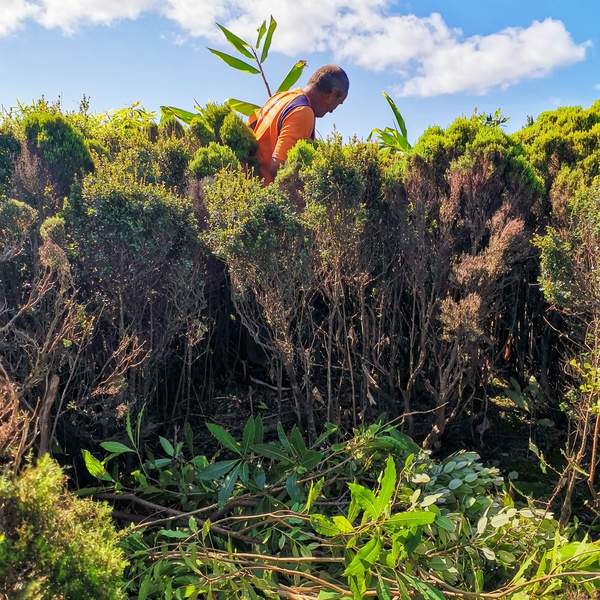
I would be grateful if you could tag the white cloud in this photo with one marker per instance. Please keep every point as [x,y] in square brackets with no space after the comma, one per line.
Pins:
[480,63]
[429,57]
[13,15]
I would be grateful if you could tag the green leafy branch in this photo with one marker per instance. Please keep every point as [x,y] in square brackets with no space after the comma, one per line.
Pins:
[257,53]
[392,139]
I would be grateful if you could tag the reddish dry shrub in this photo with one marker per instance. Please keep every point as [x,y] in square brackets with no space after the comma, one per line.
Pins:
[13,422]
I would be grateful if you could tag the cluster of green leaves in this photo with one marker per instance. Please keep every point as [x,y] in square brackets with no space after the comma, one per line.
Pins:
[372,515]
[52,544]
[392,139]
[258,53]
[54,138]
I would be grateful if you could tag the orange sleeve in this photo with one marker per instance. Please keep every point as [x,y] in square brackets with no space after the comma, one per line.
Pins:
[298,125]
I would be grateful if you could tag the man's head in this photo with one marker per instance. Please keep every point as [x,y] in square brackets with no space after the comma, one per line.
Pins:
[326,89]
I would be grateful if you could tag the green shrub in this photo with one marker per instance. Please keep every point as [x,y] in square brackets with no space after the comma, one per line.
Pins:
[56,141]
[208,161]
[16,218]
[238,136]
[214,115]
[171,127]
[202,131]
[9,148]
[173,158]
[54,545]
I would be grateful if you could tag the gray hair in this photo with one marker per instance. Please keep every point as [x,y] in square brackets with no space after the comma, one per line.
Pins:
[330,78]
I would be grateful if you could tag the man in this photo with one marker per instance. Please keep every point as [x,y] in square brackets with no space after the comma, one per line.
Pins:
[290,116]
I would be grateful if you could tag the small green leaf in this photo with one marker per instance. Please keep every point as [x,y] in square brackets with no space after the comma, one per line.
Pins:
[365,498]
[292,77]
[174,533]
[364,559]
[342,523]
[216,470]
[248,435]
[224,437]
[93,465]
[116,447]
[412,518]
[238,43]
[271,451]
[261,31]
[297,443]
[236,63]
[313,493]
[166,446]
[388,485]
[383,590]
[268,40]
[293,489]
[228,485]
[324,525]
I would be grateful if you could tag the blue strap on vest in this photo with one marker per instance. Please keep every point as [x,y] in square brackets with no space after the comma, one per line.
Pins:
[300,100]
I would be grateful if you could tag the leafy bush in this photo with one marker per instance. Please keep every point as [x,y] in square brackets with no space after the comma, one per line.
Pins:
[9,148]
[56,141]
[238,136]
[16,219]
[372,515]
[203,132]
[54,545]
[208,161]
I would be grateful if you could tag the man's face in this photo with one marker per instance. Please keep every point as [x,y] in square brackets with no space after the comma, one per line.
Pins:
[330,102]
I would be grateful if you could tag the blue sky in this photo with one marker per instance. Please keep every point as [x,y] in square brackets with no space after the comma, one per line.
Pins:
[437,59]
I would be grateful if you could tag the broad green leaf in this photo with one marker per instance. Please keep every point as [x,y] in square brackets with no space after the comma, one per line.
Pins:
[184,115]
[365,499]
[216,470]
[116,447]
[259,430]
[260,478]
[444,523]
[238,43]
[93,465]
[236,63]
[228,485]
[268,40]
[297,443]
[292,77]
[261,31]
[311,459]
[412,518]
[271,451]
[397,114]
[427,591]
[388,485]
[128,426]
[224,437]
[248,435]
[293,489]
[383,590]
[313,493]
[324,525]
[283,439]
[174,533]
[343,525]
[328,595]
[365,558]
[166,445]
[244,108]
